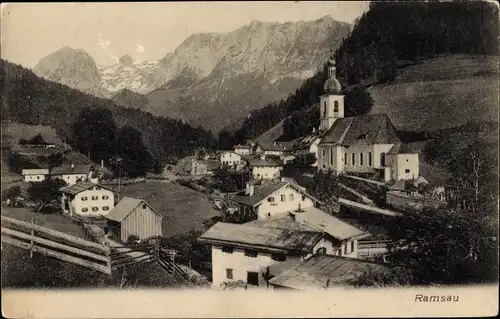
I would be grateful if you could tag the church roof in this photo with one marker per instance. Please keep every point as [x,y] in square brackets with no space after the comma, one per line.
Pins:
[332,86]
[361,130]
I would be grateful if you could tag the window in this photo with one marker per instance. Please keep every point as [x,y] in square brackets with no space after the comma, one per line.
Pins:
[352,246]
[38,177]
[251,253]
[105,197]
[353,156]
[323,152]
[95,197]
[407,170]
[283,197]
[105,208]
[253,278]
[331,156]
[369,158]
[84,198]
[229,273]
[270,199]
[278,257]
[84,209]
[382,159]
[345,249]
[290,197]
[339,252]
[268,214]
[144,206]
[227,250]
[361,159]
[345,158]
[321,251]
[336,106]
[324,109]
[95,209]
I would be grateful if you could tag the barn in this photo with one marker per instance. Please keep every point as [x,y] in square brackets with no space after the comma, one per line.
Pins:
[132,216]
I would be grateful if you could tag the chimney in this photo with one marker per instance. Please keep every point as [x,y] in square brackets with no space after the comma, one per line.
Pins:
[250,189]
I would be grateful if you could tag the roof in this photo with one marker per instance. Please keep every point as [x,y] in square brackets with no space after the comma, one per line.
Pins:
[313,219]
[35,171]
[66,170]
[80,187]
[242,146]
[306,141]
[261,192]
[256,161]
[124,207]
[402,148]
[315,272]
[361,130]
[332,86]
[270,239]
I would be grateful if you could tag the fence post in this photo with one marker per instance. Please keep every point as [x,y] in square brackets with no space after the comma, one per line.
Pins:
[32,233]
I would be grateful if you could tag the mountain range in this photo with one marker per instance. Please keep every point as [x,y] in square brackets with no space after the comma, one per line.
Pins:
[208,74]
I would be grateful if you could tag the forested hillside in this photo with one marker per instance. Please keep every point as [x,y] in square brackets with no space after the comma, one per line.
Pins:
[411,33]
[29,99]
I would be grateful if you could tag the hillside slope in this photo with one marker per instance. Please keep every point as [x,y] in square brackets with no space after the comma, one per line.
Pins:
[440,93]
[236,72]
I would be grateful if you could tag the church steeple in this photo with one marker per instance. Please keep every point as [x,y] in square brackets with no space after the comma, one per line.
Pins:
[332,101]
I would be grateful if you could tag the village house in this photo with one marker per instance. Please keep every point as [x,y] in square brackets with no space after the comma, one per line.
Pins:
[308,145]
[321,271]
[87,199]
[232,160]
[360,144]
[195,166]
[249,252]
[74,173]
[415,194]
[243,149]
[35,174]
[133,216]
[264,169]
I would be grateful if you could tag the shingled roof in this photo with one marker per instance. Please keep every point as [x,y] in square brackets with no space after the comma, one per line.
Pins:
[261,192]
[361,130]
[321,271]
[402,148]
[269,239]
[313,219]
[67,170]
[124,207]
[80,187]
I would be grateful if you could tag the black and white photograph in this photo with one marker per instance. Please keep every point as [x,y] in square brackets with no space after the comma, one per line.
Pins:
[240,148]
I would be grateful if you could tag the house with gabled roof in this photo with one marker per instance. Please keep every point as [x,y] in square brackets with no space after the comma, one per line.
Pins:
[133,216]
[253,252]
[264,168]
[271,199]
[73,173]
[87,199]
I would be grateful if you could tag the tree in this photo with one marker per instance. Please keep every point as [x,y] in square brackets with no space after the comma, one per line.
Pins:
[325,188]
[94,132]
[46,193]
[358,101]
[11,193]
[224,180]
[55,160]
[136,159]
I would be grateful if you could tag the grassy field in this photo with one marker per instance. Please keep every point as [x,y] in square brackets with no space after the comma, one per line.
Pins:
[183,209]
[440,92]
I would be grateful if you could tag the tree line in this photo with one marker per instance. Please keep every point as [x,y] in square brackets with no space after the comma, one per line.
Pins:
[388,36]
[29,99]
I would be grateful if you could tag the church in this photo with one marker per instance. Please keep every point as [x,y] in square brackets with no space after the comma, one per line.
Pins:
[365,144]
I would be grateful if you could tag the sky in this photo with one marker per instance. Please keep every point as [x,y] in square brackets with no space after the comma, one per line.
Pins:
[145,31]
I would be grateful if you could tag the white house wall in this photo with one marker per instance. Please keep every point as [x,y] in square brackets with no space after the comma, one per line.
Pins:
[34,178]
[400,163]
[71,179]
[266,172]
[357,150]
[78,203]
[230,158]
[379,149]
[271,209]
[240,264]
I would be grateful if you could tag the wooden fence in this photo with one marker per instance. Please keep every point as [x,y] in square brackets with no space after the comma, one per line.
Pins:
[56,244]
[85,253]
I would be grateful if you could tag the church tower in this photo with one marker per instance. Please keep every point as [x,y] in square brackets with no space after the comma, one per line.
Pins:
[331,105]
